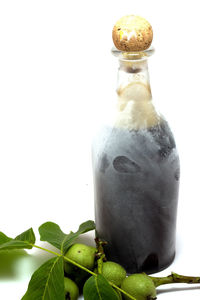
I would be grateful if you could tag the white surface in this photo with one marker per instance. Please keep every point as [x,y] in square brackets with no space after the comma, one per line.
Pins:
[56,72]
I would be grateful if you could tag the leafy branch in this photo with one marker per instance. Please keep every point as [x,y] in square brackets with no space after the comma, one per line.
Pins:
[48,281]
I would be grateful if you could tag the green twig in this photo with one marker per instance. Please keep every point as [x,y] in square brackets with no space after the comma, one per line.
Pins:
[100,263]
[100,250]
[101,257]
[174,278]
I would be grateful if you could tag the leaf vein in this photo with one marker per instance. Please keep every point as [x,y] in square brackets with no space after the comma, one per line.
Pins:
[48,278]
[62,244]
[98,291]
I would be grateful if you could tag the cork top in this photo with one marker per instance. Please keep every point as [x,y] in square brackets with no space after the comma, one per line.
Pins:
[132,33]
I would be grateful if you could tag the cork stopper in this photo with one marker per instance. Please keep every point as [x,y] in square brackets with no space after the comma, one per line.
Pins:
[132,33]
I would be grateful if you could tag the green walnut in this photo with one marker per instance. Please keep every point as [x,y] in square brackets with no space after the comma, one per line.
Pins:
[83,255]
[71,289]
[139,286]
[113,272]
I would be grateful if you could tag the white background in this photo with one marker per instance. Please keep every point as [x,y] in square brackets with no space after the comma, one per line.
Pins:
[56,75]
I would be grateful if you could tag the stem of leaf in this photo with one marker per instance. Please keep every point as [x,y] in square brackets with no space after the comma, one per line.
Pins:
[79,266]
[66,259]
[47,250]
[83,268]
[122,291]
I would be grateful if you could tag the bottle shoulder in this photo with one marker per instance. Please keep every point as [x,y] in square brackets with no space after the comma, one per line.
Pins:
[155,139]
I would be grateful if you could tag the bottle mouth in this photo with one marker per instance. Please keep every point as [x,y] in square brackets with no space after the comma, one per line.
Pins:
[137,55]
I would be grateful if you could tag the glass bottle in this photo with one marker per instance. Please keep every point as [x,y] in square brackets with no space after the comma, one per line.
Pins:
[136,175]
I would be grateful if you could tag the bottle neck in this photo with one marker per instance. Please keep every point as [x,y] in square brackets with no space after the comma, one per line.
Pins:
[135,109]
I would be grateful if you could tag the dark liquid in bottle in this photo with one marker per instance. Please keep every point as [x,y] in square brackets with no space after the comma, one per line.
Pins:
[136,178]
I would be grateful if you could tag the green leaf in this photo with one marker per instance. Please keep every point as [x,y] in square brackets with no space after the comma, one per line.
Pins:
[23,241]
[51,233]
[83,228]
[4,238]
[98,288]
[47,283]
[27,236]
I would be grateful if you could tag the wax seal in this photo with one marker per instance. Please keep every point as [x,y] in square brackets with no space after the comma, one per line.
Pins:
[132,33]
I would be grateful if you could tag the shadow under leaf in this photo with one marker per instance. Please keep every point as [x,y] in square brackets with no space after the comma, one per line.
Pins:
[178,289]
[9,261]
[19,264]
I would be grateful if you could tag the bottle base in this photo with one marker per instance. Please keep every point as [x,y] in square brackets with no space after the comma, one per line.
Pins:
[153,268]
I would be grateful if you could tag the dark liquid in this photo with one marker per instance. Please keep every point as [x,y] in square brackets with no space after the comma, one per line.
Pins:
[136,176]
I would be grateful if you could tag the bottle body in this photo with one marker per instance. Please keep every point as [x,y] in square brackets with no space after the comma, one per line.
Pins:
[136,191]
[136,183]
